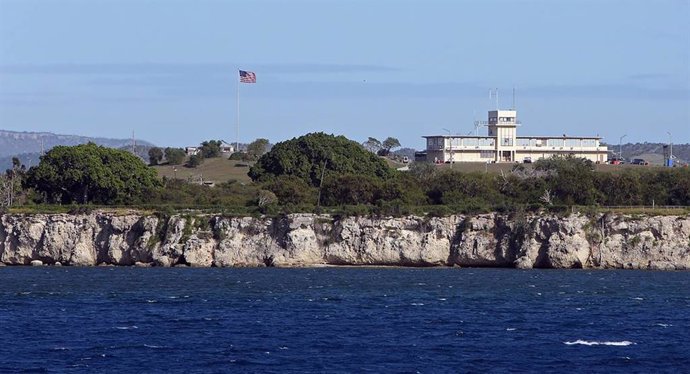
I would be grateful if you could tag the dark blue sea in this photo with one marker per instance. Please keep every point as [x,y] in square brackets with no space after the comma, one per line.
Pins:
[342,320]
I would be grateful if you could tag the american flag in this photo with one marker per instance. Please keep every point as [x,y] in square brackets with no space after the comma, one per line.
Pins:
[247,77]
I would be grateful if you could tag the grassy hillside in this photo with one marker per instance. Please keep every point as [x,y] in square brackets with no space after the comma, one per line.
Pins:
[218,170]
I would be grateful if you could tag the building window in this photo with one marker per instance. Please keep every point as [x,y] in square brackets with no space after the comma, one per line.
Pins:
[589,143]
[470,142]
[507,141]
[572,142]
[487,142]
[486,154]
[523,142]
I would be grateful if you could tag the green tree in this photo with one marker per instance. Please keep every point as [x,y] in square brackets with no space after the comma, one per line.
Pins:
[388,145]
[619,189]
[372,145]
[404,188]
[452,187]
[88,173]
[350,189]
[194,161]
[291,190]
[155,155]
[174,156]
[307,156]
[210,149]
[257,148]
[423,171]
[11,191]
[679,193]
[571,180]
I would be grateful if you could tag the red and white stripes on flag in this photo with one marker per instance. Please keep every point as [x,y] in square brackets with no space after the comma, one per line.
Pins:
[247,77]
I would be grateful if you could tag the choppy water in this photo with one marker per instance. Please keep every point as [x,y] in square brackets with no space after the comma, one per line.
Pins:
[343,320]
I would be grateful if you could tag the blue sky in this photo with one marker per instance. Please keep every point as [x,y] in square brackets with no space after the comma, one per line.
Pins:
[167,69]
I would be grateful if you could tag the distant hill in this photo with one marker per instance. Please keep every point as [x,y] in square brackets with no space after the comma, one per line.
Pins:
[27,146]
[652,152]
[13,143]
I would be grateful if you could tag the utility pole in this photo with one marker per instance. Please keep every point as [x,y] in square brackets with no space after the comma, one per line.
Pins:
[620,146]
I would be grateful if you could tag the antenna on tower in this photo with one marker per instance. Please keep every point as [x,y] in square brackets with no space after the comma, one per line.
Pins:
[493,94]
[477,123]
[134,144]
[513,97]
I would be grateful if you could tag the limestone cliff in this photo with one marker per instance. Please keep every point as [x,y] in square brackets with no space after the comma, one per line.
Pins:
[523,241]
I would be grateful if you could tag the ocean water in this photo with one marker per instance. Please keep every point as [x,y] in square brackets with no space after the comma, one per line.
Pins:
[331,320]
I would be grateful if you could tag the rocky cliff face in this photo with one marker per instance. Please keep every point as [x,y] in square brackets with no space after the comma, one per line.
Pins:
[539,241]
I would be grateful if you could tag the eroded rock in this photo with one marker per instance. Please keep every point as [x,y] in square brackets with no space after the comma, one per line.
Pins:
[536,241]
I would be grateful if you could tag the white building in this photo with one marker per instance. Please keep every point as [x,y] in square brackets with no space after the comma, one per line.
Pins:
[226,147]
[503,145]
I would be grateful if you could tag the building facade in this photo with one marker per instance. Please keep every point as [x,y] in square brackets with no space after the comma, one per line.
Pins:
[502,144]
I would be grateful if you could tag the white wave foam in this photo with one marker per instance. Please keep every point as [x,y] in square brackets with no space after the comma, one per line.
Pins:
[664,324]
[511,329]
[151,301]
[622,343]
[153,346]
[417,304]
[133,327]
[637,298]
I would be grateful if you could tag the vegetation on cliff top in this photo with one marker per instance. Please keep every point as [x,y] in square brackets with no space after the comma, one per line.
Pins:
[319,172]
[306,158]
[89,173]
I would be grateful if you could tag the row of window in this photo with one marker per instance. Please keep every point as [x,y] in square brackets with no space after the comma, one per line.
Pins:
[502,119]
[440,143]
[522,142]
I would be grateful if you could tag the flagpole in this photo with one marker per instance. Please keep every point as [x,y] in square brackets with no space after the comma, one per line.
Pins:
[237,142]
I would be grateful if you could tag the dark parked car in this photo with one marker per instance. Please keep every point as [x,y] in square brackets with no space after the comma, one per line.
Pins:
[639,161]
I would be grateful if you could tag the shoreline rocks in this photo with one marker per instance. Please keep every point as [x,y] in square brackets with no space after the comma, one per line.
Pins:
[298,240]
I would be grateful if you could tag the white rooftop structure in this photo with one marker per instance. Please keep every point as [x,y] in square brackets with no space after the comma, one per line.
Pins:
[503,145]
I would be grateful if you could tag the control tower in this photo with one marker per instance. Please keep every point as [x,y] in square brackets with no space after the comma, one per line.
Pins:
[503,126]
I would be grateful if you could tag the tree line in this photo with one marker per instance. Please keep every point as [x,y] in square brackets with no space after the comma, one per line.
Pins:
[207,149]
[320,171]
